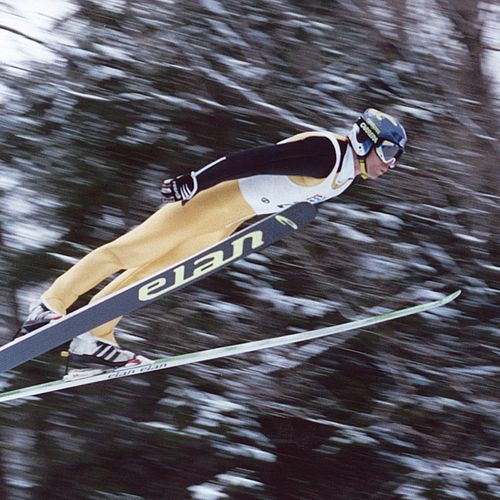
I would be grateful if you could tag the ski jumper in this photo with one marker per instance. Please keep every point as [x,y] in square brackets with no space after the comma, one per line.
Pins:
[313,166]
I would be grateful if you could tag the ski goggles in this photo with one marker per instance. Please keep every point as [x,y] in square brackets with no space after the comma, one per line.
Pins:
[389,152]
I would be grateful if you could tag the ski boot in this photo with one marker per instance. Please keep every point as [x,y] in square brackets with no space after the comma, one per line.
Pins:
[90,350]
[87,348]
[39,315]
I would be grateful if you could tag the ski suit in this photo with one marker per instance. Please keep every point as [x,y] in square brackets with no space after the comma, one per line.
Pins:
[312,166]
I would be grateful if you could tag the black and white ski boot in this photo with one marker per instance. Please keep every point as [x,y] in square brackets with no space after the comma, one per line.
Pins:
[87,348]
[39,315]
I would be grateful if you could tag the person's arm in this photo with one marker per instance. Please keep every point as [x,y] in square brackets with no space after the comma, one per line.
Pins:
[311,157]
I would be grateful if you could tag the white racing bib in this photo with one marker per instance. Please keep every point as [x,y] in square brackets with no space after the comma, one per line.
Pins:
[270,193]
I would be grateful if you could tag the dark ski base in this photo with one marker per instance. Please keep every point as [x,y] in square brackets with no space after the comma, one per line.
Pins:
[254,238]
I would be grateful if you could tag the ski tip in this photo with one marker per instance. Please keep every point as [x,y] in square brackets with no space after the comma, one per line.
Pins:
[452,296]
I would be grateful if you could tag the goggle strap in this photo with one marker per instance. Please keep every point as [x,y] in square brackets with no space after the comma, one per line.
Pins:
[362,166]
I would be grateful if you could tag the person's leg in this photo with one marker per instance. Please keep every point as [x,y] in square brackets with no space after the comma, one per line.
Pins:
[189,247]
[211,211]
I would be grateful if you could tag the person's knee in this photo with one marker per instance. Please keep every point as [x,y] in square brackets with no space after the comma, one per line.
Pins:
[106,253]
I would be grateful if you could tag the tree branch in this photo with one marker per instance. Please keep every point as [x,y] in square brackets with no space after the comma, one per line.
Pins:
[20,33]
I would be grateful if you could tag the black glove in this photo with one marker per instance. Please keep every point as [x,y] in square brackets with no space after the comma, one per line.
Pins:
[180,188]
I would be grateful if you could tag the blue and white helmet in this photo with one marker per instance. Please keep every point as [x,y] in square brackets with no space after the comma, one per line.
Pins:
[374,128]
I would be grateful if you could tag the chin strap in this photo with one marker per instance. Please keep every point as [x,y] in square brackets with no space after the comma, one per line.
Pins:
[362,166]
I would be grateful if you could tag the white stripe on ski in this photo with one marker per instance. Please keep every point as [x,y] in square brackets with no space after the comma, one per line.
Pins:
[221,352]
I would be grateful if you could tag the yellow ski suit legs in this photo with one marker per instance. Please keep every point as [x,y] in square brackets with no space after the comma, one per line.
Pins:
[173,233]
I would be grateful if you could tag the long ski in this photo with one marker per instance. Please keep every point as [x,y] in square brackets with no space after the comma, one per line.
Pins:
[253,238]
[221,352]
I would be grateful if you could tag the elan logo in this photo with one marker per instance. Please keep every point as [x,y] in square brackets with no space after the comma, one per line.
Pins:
[286,221]
[204,265]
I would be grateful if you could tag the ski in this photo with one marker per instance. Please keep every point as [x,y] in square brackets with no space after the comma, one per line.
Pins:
[239,245]
[219,352]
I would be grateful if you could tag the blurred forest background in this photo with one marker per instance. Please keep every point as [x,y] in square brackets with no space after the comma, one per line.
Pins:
[113,96]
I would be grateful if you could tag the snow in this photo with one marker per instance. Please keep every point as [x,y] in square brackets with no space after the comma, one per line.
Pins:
[20,483]
[387,220]
[242,69]
[348,232]
[117,6]
[34,19]
[244,450]
[214,6]
[236,480]
[8,182]
[226,32]
[292,356]
[64,258]
[418,110]
[455,473]
[349,436]
[112,52]
[470,239]
[25,235]
[383,268]
[490,267]
[178,102]
[441,403]
[198,432]
[161,426]
[86,95]
[255,436]
[439,254]
[491,40]
[251,267]
[426,295]
[294,305]
[479,371]
[459,493]
[6,380]
[220,403]
[224,309]
[411,492]
[206,491]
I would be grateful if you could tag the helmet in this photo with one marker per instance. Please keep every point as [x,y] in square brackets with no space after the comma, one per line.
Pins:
[374,128]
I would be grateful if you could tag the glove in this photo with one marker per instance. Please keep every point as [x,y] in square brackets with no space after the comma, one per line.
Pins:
[180,188]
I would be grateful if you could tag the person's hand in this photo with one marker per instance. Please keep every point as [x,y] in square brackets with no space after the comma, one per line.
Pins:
[180,188]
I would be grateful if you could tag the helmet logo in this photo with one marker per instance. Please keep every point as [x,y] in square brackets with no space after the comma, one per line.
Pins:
[380,116]
[369,132]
